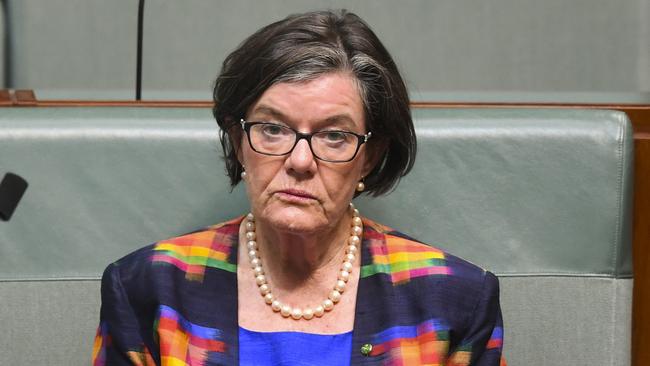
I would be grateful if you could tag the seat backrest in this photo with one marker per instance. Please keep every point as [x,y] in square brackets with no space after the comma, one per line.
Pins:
[540,197]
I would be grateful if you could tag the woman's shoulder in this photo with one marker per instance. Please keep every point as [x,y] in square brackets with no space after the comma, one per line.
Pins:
[441,285]
[406,258]
[191,253]
[422,289]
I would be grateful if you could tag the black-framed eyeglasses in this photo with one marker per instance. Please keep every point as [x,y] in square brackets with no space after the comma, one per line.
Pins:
[333,146]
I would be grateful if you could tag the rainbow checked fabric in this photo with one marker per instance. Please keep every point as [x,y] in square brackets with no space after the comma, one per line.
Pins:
[174,303]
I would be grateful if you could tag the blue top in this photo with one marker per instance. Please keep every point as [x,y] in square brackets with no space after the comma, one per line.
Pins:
[293,348]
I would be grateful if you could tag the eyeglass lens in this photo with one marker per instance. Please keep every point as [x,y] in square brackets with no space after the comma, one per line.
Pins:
[326,145]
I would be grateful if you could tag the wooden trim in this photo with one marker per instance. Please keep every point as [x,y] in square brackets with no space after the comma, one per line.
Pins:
[5,98]
[25,98]
[414,104]
[17,98]
[641,253]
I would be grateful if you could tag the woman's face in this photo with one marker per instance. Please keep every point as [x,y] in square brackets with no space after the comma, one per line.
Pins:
[297,192]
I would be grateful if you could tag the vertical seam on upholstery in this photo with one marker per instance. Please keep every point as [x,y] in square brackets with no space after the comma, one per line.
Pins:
[612,338]
[619,216]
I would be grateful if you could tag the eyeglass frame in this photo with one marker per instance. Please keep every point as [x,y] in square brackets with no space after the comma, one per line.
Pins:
[247,125]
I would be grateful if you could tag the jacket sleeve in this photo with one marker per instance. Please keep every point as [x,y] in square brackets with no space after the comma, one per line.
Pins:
[482,343]
[118,340]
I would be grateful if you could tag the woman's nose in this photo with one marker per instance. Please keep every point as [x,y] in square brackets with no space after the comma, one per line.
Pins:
[301,158]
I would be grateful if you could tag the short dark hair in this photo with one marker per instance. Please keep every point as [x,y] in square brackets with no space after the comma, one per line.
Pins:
[302,47]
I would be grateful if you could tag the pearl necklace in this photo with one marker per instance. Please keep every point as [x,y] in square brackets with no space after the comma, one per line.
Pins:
[334,296]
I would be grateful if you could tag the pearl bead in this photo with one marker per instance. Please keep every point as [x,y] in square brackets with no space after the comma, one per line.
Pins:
[251,235]
[349,257]
[250,226]
[356,221]
[251,245]
[296,313]
[260,280]
[268,298]
[346,266]
[335,296]
[360,187]
[356,230]
[344,276]
[340,286]
[276,305]
[319,311]
[252,254]
[285,310]
[256,262]
[250,217]
[264,289]
[351,249]
[258,271]
[308,313]
[354,240]
[351,205]
[328,305]
[355,212]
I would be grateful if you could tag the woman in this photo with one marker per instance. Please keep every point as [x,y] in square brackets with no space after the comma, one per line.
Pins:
[312,111]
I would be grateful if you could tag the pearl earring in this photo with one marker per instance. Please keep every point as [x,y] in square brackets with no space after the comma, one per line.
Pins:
[360,186]
[243,174]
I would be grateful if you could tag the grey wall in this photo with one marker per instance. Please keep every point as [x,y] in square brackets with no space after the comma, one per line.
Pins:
[74,46]
[446,48]
[2,53]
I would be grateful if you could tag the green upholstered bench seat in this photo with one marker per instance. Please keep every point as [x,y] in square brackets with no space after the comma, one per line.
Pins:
[540,197]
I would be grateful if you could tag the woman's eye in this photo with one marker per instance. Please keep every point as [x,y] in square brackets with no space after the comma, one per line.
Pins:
[334,136]
[273,130]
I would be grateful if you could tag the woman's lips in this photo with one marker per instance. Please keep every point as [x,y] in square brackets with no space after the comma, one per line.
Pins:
[295,195]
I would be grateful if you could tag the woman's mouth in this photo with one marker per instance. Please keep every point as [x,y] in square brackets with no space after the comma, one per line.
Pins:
[295,195]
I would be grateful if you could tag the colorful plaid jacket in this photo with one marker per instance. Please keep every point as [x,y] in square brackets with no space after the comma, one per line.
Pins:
[175,303]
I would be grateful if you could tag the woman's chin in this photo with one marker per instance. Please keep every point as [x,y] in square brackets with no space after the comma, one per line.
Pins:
[295,219]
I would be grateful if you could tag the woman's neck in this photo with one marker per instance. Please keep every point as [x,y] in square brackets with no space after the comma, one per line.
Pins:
[301,272]
[291,259]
